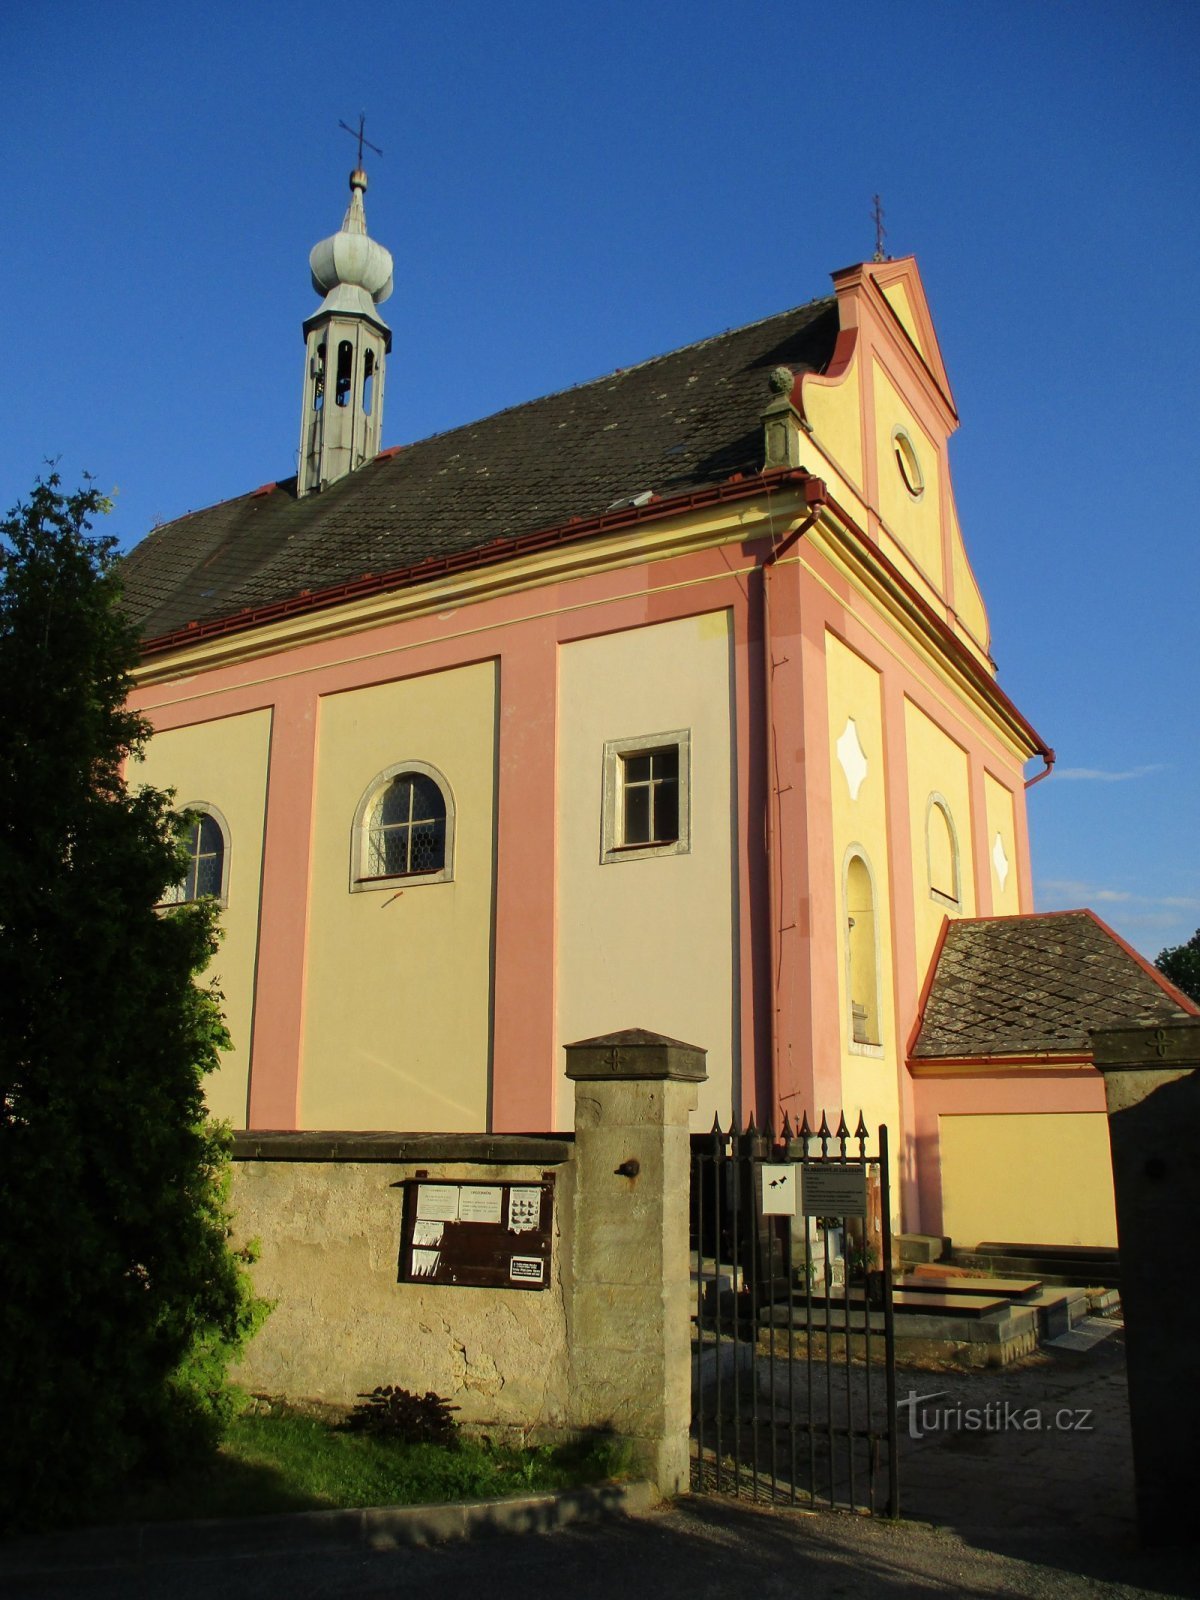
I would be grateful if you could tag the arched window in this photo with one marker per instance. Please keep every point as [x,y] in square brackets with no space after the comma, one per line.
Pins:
[207,842]
[345,361]
[862,958]
[403,828]
[318,378]
[941,842]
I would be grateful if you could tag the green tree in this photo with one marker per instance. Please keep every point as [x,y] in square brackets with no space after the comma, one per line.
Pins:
[1181,964]
[120,1298]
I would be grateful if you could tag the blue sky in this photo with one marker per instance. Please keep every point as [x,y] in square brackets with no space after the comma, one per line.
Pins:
[568,190]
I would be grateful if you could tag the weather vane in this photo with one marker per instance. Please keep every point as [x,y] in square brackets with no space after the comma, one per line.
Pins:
[357,133]
[880,230]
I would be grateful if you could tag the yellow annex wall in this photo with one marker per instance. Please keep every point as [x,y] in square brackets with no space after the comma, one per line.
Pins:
[860,821]
[936,766]
[915,522]
[1028,1178]
[1002,848]
[397,1019]
[224,764]
[649,942]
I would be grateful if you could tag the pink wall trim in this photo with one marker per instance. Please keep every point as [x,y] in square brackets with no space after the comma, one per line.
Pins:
[278,1033]
[1029,1089]
[752,899]
[524,987]
[516,630]
[525,1066]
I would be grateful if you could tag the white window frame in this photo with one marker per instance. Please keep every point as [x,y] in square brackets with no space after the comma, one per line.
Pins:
[361,881]
[612,811]
[954,902]
[206,809]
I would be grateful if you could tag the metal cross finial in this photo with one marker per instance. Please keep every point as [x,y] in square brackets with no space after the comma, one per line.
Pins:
[880,230]
[357,133]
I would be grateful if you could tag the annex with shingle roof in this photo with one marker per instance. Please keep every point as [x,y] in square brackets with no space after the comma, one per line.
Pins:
[1035,986]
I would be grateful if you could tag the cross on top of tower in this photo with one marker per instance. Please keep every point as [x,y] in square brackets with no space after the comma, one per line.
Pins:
[357,133]
[880,230]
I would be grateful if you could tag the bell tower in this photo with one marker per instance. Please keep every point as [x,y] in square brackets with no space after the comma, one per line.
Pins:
[346,348]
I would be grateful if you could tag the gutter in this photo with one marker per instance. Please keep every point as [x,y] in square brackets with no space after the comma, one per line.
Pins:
[498,551]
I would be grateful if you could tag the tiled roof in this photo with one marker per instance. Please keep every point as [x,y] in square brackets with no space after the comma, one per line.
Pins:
[1033,985]
[674,425]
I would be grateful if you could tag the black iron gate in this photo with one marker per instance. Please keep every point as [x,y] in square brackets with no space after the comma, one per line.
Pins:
[794,1360]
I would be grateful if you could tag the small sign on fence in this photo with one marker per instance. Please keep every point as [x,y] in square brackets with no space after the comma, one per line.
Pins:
[830,1190]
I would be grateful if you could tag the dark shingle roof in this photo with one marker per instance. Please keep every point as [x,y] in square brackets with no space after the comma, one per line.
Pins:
[676,424]
[1034,985]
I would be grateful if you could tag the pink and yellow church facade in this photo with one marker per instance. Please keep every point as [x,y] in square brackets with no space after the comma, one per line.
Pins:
[663,702]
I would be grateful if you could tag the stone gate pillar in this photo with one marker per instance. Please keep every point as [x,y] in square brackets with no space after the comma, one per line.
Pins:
[629,1328]
[1152,1087]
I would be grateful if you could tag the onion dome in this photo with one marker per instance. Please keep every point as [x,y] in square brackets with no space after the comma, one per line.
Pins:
[352,272]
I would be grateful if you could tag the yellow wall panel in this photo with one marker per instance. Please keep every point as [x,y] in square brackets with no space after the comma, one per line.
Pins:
[860,821]
[1037,1178]
[398,997]
[1002,862]
[936,766]
[915,522]
[897,297]
[649,942]
[224,764]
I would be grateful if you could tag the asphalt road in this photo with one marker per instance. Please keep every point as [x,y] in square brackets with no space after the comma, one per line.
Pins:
[700,1550]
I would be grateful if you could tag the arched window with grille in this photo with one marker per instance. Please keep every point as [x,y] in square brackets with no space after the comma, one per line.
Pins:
[404,828]
[206,840]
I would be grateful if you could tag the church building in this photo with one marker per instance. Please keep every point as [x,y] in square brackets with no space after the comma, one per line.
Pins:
[664,702]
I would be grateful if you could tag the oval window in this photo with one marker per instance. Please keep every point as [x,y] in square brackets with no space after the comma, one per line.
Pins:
[906,460]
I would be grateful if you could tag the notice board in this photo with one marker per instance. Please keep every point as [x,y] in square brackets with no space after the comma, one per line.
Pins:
[477,1235]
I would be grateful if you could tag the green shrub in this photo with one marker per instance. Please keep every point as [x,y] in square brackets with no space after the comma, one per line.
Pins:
[394,1413]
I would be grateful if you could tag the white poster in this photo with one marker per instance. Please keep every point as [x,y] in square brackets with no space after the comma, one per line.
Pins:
[524,1209]
[425,1263]
[437,1202]
[478,1202]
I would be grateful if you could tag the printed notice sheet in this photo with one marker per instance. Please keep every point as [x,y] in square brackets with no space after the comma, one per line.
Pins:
[479,1202]
[437,1202]
[524,1209]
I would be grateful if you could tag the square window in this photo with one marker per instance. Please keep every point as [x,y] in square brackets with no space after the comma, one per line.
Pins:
[646,806]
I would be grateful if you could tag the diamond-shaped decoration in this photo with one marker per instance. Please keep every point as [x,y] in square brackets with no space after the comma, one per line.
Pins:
[853,757]
[1000,861]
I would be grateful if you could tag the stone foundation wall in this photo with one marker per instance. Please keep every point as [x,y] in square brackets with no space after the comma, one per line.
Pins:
[605,1345]
[342,1323]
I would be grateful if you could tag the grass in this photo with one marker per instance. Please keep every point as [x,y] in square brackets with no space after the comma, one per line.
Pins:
[291,1461]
